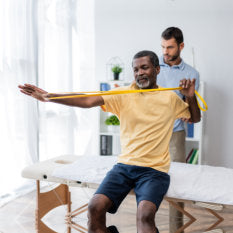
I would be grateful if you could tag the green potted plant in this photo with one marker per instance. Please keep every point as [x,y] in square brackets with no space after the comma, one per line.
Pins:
[112,120]
[116,71]
[113,123]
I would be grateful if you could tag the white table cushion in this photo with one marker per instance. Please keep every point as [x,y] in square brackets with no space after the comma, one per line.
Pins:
[189,182]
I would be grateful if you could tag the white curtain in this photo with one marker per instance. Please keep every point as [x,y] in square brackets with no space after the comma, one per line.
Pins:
[19,116]
[49,43]
[55,29]
[66,63]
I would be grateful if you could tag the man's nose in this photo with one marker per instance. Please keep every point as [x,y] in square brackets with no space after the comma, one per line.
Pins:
[165,50]
[140,72]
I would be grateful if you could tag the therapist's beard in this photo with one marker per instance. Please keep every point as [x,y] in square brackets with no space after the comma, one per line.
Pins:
[173,58]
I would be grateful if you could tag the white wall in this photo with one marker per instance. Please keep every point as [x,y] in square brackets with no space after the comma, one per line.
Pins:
[124,27]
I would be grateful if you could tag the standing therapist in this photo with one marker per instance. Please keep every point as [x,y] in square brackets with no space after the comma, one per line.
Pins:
[172,70]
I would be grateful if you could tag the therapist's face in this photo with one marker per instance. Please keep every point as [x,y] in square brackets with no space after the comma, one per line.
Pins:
[171,50]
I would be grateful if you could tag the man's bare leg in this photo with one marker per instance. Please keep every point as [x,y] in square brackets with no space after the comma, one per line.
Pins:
[146,217]
[97,209]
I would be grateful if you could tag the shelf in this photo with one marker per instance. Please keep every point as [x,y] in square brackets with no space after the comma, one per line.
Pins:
[192,139]
[109,133]
[106,86]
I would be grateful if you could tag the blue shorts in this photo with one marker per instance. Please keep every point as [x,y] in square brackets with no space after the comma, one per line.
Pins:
[148,184]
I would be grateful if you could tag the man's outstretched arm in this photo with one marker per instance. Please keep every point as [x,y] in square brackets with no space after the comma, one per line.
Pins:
[42,95]
[189,92]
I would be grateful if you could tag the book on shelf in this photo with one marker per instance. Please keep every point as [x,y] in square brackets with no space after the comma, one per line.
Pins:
[104,87]
[189,155]
[190,130]
[192,157]
[105,144]
[195,159]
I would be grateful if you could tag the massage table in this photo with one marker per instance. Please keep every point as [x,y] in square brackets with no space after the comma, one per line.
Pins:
[208,187]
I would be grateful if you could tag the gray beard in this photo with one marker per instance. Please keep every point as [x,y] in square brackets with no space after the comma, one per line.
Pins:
[143,86]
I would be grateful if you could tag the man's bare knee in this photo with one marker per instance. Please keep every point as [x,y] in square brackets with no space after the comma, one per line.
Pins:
[146,217]
[99,205]
[97,208]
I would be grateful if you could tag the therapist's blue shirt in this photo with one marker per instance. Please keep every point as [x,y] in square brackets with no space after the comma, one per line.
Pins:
[170,76]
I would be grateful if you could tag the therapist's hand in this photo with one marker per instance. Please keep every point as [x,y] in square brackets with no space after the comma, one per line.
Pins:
[188,87]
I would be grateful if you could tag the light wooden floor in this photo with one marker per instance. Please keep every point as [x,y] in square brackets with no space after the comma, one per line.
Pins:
[18,215]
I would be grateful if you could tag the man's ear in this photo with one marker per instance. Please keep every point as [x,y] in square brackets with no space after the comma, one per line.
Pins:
[157,69]
[181,46]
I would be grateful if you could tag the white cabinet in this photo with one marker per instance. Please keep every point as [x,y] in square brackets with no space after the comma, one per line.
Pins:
[109,135]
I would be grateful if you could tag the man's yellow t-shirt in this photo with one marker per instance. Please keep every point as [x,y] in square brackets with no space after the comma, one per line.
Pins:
[146,124]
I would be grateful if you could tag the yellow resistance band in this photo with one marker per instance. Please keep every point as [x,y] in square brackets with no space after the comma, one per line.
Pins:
[100,93]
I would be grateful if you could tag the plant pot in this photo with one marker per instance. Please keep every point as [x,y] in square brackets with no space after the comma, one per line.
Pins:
[116,76]
[114,128]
